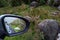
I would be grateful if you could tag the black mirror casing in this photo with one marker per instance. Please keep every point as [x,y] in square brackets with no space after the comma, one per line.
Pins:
[2,24]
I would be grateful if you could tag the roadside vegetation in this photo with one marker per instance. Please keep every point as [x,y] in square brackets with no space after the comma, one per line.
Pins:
[44,12]
[36,14]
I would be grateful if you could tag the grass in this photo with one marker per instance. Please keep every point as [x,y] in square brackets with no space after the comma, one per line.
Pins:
[37,14]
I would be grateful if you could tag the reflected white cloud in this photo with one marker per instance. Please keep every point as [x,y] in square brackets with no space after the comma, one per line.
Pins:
[9,19]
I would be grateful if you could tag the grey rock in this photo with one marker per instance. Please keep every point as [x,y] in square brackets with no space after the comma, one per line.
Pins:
[55,13]
[56,3]
[50,28]
[58,36]
[1,39]
[59,7]
[34,4]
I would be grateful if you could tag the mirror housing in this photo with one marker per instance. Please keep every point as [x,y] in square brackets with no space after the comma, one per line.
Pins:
[3,27]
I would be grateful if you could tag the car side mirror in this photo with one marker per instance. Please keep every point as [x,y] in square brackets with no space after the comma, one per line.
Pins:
[14,25]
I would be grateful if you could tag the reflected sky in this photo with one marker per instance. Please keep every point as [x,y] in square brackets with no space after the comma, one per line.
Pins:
[9,19]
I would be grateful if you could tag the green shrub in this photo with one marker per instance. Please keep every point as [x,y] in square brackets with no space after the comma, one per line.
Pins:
[42,2]
[3,3]
[13,3]
[16,2]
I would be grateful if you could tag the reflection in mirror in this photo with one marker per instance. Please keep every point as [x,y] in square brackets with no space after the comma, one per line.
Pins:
[14,25]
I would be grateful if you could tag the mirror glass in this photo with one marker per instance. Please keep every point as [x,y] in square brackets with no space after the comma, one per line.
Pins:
[14,25]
